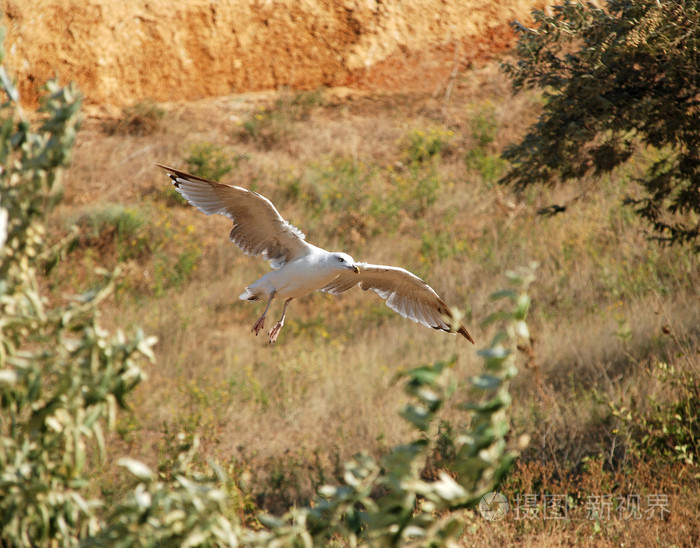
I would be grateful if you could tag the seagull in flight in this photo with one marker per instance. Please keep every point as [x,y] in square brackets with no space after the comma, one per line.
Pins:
[300,268]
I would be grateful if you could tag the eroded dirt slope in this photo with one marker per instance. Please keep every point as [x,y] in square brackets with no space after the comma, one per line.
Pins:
[124,51]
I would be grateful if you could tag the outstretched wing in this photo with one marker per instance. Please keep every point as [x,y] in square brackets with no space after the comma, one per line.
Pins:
[403,292]
[258,228]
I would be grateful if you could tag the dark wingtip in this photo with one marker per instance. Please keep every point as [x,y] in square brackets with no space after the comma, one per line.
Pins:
[169,169]
[171,173]
[463,331]
[445,310]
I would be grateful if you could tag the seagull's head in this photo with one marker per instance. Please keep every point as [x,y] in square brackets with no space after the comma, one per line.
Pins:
[344,260]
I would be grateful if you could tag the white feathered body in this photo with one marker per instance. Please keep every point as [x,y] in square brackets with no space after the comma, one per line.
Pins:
[296,278]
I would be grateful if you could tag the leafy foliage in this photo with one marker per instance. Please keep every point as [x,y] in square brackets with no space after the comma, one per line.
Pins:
[669,429]
[271,127]
[482,157]
[190,509]
[142,118]
[61,375]
[342,193]
[125,226]
[211,161]
[615,77]
[422,146]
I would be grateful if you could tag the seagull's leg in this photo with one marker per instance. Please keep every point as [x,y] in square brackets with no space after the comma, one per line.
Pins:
[275,331]
[257,327]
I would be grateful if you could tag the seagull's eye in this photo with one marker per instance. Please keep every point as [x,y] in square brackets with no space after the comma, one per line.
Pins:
[341,259]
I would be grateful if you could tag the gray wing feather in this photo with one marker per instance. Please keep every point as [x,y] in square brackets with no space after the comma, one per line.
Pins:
[403,292]
[258,228]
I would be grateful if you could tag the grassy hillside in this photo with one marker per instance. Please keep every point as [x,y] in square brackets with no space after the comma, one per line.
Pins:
[408,180]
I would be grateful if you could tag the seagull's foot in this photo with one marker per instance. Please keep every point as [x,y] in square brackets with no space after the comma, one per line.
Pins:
[257,328]
[275,331]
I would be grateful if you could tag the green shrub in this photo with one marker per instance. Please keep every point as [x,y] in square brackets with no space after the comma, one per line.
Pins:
[144,234]
[422,146]
[173,271]
[125,227]
[670,428]
[142,118]
[414,190]
[269,127]
[484,126]
[599,68]
[211,161]
[348,199]
[440,246]
[62,375]
[489,166]
[482,158]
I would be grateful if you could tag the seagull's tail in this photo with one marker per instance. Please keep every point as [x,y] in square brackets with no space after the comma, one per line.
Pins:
[249,295]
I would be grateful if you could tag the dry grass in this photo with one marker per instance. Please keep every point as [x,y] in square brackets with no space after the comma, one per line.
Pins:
[287,415]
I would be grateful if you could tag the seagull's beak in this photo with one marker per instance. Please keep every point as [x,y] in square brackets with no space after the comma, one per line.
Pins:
[356,269]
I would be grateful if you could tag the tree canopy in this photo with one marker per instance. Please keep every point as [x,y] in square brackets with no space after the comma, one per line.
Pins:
[616,79]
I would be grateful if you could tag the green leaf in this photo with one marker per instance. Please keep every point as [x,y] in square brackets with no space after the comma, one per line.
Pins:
[514,277]
[137,468]
[8,376]
[8,86]
[271,522]
[504,294]
[423,375]
[486,382]
[497,316]
[496,352]
[489,406]
[417,415]
[523,305]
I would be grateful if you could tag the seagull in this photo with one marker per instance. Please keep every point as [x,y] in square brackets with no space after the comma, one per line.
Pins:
[299,268]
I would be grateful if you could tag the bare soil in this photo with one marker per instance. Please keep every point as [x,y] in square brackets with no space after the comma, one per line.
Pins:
[123,52]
